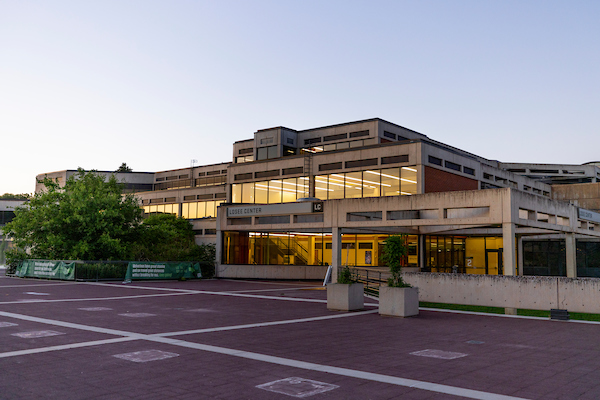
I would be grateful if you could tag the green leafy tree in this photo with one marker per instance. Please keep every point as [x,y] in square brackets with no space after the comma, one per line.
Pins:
[394,254]
[88,219]
[164,237]
[124,168]
[10,196]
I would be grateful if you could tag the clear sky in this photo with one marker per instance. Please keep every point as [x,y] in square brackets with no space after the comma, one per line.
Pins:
[156,84]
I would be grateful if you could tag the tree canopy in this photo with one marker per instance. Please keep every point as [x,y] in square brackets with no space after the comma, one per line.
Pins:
[88,219]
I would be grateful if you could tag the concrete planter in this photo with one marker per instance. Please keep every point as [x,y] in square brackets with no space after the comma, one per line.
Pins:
[344,297]
[398,302]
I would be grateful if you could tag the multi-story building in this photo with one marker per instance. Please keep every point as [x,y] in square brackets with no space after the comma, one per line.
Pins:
[293,202]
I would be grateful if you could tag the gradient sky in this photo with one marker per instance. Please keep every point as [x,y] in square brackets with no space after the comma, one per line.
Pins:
[156,84]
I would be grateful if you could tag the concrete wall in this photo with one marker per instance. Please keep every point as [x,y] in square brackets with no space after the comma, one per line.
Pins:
[272,271]
[585,195]
[527,292]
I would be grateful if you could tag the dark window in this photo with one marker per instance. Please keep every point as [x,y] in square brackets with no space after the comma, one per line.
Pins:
[210,231]
[312,140]
[394,159]
[435,161]
[275,219]
[359,134]
[239,221]
[488,176]
[170,199]
[402,138]
[329,167]
[153,201]
[205,196]
[183,176]
[292,171]
[339,136]
[364,216]
[246,151]
[308,218]
[211,173]
[289,141]
[266,174]
[361,163]
[389,135]
[469,171]
[365,246]
[220,195]
[172,178]
[186,198]
[201,173]
[160,179]
[241,177]
[453,166]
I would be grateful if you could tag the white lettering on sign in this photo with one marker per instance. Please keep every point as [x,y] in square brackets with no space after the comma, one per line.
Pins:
[589,215]
[147,270]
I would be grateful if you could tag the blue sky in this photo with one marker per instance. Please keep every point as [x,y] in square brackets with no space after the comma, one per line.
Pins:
[156,84]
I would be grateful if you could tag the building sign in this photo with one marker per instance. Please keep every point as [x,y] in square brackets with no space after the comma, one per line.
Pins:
[254,210]
[588,215]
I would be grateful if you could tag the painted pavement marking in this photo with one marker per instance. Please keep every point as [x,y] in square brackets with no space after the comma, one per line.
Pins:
[37,293]
[37,284]
[423,385]
[36,334]
[265,290]
[138,315]
[95,309]
[297,387]
[146,355]
[263,324]
[66,347]
[7,324]
[93,298]
[444,355]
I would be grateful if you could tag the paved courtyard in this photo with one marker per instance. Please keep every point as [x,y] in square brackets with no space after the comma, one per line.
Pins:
[222,339]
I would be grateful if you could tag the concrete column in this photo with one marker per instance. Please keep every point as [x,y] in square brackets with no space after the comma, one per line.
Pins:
[509,244]
[336,252]
[571,250]
[520,255]
[219,244]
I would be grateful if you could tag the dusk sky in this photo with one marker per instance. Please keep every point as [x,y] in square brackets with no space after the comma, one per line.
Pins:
[156,84]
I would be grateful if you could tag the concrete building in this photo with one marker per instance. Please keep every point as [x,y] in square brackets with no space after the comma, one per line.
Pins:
[293,202]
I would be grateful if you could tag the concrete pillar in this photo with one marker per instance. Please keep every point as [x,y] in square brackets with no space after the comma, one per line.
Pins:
[509,244]
[571,250]
[520,255]
[219,244]
[336,252]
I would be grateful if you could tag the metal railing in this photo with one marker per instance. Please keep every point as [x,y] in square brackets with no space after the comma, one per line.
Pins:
[371,278]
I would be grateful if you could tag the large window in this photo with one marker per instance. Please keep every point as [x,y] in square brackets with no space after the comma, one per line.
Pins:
[200,209]
[369,183]
[162,209]
[270,192]
[295,248]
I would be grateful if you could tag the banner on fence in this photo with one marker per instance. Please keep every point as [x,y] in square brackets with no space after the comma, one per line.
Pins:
[47,269]
[162,270]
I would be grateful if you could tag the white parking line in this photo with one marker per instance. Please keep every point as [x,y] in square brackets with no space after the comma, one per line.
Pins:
[429,386]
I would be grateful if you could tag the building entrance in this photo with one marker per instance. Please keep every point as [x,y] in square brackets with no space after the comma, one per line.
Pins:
[493,262]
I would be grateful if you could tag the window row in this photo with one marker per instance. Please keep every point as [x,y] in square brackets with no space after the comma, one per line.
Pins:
[340,146]
[270,192]
[193,210]
[200,209]
[369,183]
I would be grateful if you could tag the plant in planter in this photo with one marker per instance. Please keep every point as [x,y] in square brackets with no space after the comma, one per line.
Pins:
[346,294]
[398,298]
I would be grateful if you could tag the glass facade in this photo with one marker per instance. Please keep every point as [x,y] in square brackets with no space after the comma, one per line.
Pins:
[341,145]
[367,183]
[193,210]
[162,209]
[270,192]
[294,248]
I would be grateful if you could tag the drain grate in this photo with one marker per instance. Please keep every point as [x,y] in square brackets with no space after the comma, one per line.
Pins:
[146,355]
[297,387]
[444,355]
